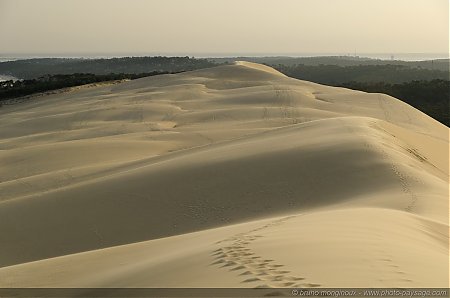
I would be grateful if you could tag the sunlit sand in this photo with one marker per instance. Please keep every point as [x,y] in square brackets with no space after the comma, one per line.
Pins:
[234,176]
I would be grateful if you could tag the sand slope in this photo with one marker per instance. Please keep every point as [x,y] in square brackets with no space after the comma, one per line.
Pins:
[234,176]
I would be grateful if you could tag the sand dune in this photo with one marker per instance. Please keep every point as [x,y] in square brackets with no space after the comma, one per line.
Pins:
[234,176]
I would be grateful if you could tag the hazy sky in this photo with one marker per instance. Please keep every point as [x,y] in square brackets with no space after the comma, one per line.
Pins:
[224,26]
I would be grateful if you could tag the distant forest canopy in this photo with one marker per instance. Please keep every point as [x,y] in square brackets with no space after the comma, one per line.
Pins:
[13,89]
[333,74]
[437,64]
[35,68]
[431,97]
[325,70]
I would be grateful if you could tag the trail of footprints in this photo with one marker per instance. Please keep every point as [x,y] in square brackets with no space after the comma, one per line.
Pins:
[236,256]
[265,273]
[402,178]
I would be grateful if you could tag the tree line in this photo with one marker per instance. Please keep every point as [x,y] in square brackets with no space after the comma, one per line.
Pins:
[35,68]
[334,74]
[431,97]
[12,89]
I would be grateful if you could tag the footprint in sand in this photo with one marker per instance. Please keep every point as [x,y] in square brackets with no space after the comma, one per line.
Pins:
[264,273]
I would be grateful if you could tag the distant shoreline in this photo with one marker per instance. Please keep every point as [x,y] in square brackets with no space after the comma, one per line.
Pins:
[376,56]
[7,78]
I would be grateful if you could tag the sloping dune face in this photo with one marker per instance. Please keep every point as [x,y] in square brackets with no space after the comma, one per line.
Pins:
[234,176]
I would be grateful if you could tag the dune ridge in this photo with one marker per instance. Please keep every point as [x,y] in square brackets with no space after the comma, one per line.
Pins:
[234,176]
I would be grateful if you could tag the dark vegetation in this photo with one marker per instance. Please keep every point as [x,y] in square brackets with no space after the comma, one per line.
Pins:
[431,97]
[13,89]
[334,75]
[35,68]
[437,64]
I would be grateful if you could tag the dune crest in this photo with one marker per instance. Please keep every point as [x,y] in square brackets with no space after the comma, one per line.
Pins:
[234,176]
[260,67]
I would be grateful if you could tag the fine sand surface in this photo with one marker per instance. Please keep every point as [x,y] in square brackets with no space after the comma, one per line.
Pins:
[233,176]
